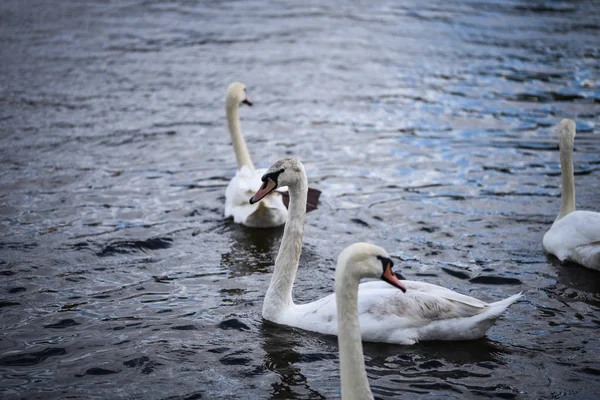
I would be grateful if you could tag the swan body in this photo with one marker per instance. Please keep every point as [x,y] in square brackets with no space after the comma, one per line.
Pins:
[247,179]
[574,235]
[425,312]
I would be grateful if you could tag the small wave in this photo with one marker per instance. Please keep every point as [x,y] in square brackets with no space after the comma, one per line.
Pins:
[62,324]
[126,247]
[495,280]
[26,359]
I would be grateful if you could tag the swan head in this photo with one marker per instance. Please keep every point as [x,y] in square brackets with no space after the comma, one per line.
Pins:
[566,133]
[364,260]
[284,172]
[236,94]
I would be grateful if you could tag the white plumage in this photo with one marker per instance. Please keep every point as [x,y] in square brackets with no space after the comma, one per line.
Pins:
[425,312]
[574,235]
[247,181]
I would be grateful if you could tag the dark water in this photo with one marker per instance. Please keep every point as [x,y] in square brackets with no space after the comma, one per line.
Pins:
[429,127]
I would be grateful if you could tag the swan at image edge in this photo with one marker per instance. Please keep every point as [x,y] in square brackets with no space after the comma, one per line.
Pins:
[425,312]
[574,235]
[360,260]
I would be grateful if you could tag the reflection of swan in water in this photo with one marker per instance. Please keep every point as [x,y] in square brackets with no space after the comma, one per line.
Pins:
[574,235]
[286,348]
[281,358]
[456,353]
[253,253]
[250,252]
[574,283]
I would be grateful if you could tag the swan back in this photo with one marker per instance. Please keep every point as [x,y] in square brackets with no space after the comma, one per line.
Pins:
[575,237]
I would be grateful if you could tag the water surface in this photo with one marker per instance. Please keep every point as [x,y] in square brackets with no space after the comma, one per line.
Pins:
[430,129]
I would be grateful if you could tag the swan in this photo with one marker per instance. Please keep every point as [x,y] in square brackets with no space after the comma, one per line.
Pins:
[357,261]
[425,312]
[247,179]
[574,235]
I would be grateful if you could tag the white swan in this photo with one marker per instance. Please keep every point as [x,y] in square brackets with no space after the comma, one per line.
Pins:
[574,235]
[425,312]
[357,261]
[246,181]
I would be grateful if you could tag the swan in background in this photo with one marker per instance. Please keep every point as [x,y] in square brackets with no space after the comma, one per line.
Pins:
[357,261]
[272,211]
[425,312]
[574,235]
[247,179]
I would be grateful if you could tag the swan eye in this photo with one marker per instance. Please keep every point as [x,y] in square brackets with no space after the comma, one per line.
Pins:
[385,261]
[272,175]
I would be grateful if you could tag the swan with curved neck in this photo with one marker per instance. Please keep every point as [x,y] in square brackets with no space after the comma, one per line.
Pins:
[425,312]
[357,261]
[574,235]
[247,179]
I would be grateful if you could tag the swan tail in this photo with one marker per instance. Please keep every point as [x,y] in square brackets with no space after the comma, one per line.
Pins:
[497,308]
[477,326]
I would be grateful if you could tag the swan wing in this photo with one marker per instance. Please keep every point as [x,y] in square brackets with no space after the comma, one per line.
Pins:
[424,312]
[428,289]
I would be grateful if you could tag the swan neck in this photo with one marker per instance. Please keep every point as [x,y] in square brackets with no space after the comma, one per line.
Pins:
[355,384]
[568,177]
[239,144]
[279,294]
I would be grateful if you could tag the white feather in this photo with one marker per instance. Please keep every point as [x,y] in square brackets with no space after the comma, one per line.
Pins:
[271,211]
[424,312]
[574,235]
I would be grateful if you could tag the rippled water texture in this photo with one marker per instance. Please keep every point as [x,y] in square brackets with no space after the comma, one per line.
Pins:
[429,127]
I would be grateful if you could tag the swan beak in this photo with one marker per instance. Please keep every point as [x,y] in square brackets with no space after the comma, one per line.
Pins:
[247,101]
[264,190]
[390,278]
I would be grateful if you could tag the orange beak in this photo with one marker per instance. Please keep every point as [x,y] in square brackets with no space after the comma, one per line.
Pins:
[264,190]
[390,278]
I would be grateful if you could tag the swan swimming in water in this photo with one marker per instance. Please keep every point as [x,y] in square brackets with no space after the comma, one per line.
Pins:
[272,211]
[574,235]
[425,312]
